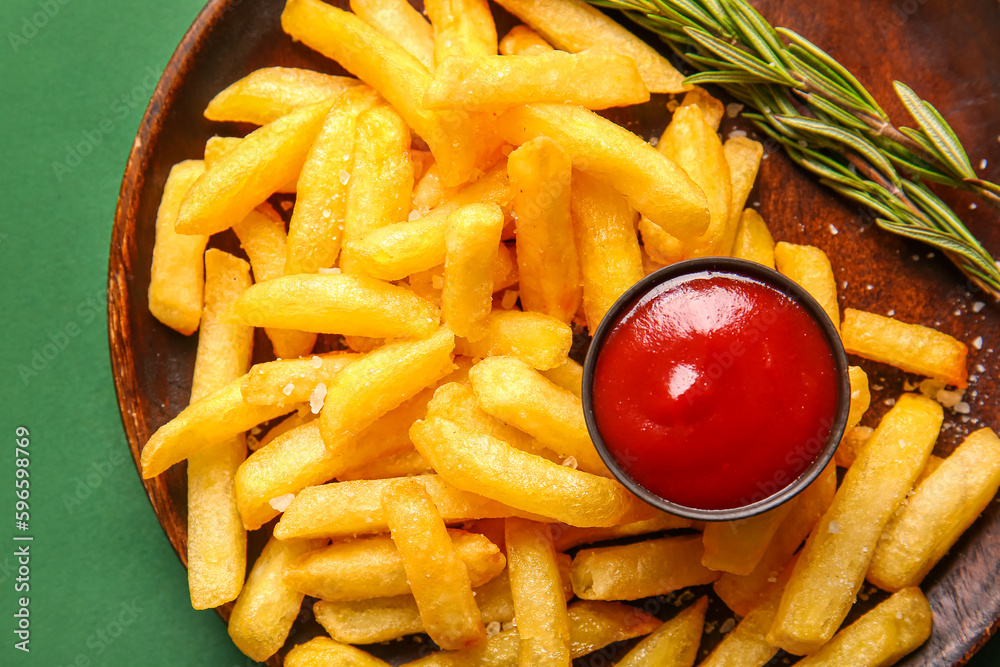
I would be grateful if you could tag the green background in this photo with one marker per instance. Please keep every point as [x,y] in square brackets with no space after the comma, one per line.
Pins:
[107,588]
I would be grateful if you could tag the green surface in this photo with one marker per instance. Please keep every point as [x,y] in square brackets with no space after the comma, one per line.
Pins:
[106,588]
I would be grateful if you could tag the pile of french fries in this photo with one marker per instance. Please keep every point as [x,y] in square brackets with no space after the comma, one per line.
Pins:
[456,212]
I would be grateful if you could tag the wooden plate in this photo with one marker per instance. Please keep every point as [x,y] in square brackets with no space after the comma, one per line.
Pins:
[943,51]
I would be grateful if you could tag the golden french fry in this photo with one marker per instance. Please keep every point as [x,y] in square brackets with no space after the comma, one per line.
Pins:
[711,109]
[301,416]
[505,271]
[370,567]
[538,340]
[177,275]
[267,94]
[568,375]
[851,444]
[523,41]
[810,267]
[753,239]
[567,537]
[262,237]
[515,393]
[882,636]
[348,304]
[942,506]
[400,22]
[814,604]
[323,652]
[471,239]
[547,262]
[217,148]
[673,644]
[536,588]
[430,191]
[737,546]
[292,380]
[743,156]
[243,179]
[572,25]
[911,347]
[654,185]
[610,261]
[264,612]
[861,397]
[438,578]
[406,463]
[462,28]
[381,180]
[429,284]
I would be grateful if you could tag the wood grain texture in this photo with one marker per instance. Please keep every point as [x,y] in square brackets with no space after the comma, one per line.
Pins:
[945,51]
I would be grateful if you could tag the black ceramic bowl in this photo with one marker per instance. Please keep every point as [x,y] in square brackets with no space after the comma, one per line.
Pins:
[729,266]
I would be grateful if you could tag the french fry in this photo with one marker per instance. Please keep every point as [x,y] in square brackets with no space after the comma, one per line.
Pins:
[370,567]
[264,612]
[743,156]
[301,416]
[292,380]
[861,396]
[348,304]
[390,69]
[400,22]
[345,509]
[882,636]
[593,79]
[478,462]
[471,239]
[536,588]
[753,239]
[610,261]
[321,191]
[217,543]
[942,506]
[633,571]
[547,262]
[737,546]
[513,392]
[462,29]
[429,284]
[711,108]
[568,375]
[567,537]
[673,644]
[262,237]
[438,578]
[810,267]
[814,604]
[323,651]
[381,180]
[661,246]
[523,41]
[851,444]
[572,25]
[911,347]
[538,340]
[240,182]
[265,95]
[177,274]
[406,463]
[654,185]
[430,191]
[217,148]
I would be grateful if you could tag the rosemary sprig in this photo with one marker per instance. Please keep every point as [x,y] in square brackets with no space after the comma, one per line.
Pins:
[828,123]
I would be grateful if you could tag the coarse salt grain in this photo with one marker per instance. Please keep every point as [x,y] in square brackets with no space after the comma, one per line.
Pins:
[891,312]
[733,109]
[834,527]
[972,206]
[654,141]
[949,399]
[980,368]
[978,343]
[890,402]
[332,269]
[281,503]
[737,133]
[570,462]
[982,163]
[316,361]
[344,177]
[317,397]
[493,629]
[288,389]
[727,626]
[978,306]
[834,230]
[413,215]
[963,408]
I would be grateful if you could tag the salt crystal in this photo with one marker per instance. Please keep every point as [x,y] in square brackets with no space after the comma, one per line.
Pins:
[570,462]
[287,391]
[344,177]
[654,141]
[972,206]
[869,287]
[727,626]
[332,269]
[281,503]
[949,399]
[834,230]
[326,213]
[930,255]
[733,109]
[772,579]
[413,215]
[737,133]
[510,625]
[963,408]
[978,343]
[978,306]
[899,614]
[982,163]
[316,361]
[916,258]
[891,312]
[834,527]
[890,402]
[317,397]
[958,312]
[493,629]
[980,368]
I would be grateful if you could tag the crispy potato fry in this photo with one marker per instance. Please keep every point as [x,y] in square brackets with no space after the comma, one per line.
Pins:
[810,267]
[610,261]
[462,28]
[513,392]
[477,461]
[243,179]
[743,156]
[400,249]
[814,604]
[471,239]
[673,644]
[429,284]
[941,507]
[642,569]
[292,380]
[852,443]
[567,537]
[217,148]
[547,262]
[861,396]
[572,25]
[321,192]
[267,94]
[301,416]
[439,580]
[753,239]
[401,22]
[177,275]
[523,41]
[911,347]
[381,180]
[538,340]
[370,567]
[345,509]
[656,186]
[406,463]
[323,652]
[881,637]
[390,69]
[568,375]
[711,109]
[337,303]
[264,612]
[737,546]
[536,588]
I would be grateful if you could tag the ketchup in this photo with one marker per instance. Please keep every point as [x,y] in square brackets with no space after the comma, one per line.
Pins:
[715,390]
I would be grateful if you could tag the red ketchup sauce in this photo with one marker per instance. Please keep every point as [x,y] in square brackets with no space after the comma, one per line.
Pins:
[715,391]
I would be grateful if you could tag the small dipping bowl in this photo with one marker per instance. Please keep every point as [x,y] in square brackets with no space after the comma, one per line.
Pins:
[641,405]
